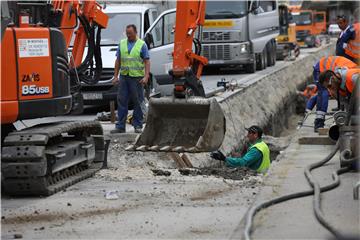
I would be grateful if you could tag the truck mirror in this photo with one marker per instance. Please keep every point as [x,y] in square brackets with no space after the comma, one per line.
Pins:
[149,40]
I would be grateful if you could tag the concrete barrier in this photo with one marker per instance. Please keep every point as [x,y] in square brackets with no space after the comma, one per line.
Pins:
[263,98]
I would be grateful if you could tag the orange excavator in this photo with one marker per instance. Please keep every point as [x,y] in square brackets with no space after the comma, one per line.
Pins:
[40,79]
[187,121]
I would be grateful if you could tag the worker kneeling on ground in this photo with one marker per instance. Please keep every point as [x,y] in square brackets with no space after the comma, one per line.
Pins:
[321,100]
[256,155]
[340,82]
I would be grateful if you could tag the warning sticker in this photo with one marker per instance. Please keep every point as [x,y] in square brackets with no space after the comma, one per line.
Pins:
[33,47]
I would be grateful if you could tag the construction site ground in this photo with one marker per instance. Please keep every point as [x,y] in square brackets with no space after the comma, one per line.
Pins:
[131,200]
[295,219]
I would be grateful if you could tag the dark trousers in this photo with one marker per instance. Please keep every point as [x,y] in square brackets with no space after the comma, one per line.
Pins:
[130,88]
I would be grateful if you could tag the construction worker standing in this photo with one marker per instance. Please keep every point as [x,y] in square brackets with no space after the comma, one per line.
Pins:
[322,98]
[132,60]
[257,156]
[347,34]
[352,49]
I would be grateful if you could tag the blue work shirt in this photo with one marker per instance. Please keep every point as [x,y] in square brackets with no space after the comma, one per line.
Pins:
[252,159]
[144,52]
[343,39]
[316,72]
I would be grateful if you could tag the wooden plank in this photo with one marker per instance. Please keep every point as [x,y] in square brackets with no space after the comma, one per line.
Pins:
[186,160]
[178,160]
[323,131]
[112,111]
[316,141]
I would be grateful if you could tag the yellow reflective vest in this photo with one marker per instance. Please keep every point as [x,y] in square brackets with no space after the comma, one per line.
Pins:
[131,62]
[264,149]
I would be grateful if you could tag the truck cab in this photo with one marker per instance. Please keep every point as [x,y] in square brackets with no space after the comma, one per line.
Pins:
[309,24]
[241,33]
[120,15]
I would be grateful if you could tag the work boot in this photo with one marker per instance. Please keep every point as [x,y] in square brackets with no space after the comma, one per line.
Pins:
[319,123]
[138,130]
[118,130]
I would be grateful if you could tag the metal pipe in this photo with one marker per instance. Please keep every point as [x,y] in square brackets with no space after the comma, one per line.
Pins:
[334,132]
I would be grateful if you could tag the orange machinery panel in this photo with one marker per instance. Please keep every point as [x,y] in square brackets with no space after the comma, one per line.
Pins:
[9,88]
[34,63]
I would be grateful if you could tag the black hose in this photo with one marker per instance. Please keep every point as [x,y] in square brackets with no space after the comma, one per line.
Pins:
[316,186]
[344,157]
[252,212]
[94,51]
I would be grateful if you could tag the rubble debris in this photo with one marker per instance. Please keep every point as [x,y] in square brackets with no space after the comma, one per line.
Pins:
[103,116]
[189,171]
[111,195]
[224,172]
[159,172]
[18,236]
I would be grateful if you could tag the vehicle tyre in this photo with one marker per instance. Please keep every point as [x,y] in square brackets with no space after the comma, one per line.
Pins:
[270,54]
[260,61]
[273,62]
[251,67]
[266,56]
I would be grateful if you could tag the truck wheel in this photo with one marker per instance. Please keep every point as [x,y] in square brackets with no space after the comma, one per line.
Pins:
[251,67]
[265,59]
[270,54]
[259,62]
[273,55]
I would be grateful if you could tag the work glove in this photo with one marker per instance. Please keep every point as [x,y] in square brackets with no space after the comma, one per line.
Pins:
[218,155]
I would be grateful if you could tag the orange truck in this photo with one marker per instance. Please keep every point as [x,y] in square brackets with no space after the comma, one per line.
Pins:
[309,25]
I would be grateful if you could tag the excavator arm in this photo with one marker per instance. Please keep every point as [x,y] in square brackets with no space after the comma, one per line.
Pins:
[90,11]
[187,65]
[187,121]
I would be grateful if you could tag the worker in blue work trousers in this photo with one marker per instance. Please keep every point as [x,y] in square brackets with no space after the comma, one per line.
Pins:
[256,154]
[133,62]
[321,100]
[347,34]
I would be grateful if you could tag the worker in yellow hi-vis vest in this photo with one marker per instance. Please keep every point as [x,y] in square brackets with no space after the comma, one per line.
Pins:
[133,63]
[256,156]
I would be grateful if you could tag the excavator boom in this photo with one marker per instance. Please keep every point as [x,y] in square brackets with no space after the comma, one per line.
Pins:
[186,122]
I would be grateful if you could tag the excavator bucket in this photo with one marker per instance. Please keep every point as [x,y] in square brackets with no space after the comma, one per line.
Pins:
[182,125]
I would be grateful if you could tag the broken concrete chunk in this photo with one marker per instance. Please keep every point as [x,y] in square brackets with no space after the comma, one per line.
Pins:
[159,172]
[111,195]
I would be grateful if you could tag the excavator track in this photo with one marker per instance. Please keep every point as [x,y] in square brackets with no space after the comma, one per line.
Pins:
[48,158]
